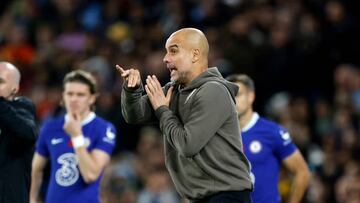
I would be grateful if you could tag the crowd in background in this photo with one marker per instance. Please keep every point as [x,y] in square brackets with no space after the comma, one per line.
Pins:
[302,54]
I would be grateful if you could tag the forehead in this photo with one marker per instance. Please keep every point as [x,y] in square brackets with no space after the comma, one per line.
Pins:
[5,74]
[175,40]
[76,87]
[4,71]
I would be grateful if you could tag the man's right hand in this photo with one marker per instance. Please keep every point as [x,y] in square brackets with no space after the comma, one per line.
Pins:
[131,76]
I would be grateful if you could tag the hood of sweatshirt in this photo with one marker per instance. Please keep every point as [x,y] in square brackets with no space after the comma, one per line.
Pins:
[212,74]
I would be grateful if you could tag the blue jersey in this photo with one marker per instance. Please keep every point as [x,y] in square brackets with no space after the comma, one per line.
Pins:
[266,144]
[66,183]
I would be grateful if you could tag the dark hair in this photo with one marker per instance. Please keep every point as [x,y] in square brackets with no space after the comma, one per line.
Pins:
[82,76]
[243,79]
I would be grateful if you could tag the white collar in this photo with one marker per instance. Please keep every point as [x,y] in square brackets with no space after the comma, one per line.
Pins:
[87,120]
[254,118]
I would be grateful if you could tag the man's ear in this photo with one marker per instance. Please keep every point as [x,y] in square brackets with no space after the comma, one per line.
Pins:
[93,98]
[196,55]
[252,96]
[14,91]
[12,94]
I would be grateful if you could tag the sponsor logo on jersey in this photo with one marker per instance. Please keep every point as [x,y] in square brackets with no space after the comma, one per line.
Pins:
[68,173]
[55,141]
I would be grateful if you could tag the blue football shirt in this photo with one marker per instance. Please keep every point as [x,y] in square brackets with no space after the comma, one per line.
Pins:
[66,183]
[266,144]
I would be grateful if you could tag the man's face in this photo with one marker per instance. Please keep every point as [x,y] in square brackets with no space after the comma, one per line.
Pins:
[244,99]
[178,59]
[77,98]
[7,87]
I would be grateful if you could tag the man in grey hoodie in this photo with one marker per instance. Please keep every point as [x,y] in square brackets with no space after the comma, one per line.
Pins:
[197,115]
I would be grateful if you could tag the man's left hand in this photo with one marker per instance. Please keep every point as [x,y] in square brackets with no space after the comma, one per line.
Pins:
[156,94]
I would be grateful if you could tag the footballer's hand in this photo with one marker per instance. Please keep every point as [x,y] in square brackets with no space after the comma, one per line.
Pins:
[72,125]
[131,76]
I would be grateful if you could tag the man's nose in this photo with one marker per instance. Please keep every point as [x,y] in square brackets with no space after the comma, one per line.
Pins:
[165,59]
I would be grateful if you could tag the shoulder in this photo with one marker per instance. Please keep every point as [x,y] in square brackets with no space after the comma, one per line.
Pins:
[53,123]
[214,84]
[102,123]
[272,127]
[105,130]
[25,103]
[269,123]
[23,99]
[213,89]
[279,135]
[214,94]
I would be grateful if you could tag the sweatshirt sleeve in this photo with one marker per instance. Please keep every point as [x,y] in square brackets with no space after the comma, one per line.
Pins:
[210,108]
[135,107]
[19,118]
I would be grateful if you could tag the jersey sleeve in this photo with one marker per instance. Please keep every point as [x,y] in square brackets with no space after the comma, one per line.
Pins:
[284,146]
[107,139]
[41,146]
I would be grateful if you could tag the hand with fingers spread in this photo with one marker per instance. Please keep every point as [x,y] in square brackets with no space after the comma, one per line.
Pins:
[72,125]
[131,76]
[156,94]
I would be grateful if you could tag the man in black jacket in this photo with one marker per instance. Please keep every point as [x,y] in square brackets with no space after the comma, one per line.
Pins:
[17,137]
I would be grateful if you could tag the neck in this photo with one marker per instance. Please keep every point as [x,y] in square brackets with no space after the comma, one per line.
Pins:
[10,98]
[245,118]
[195,74]
[85,114]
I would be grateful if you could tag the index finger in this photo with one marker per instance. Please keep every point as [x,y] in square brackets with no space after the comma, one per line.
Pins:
[77,116]
[119,69]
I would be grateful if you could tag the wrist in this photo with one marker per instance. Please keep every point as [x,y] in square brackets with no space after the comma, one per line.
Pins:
[78,141]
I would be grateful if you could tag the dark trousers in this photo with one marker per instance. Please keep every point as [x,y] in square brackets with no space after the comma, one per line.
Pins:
[228,197]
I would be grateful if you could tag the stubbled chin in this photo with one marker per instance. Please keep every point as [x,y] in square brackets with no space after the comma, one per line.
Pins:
[173,79]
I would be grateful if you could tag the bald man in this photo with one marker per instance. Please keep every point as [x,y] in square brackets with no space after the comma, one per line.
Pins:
[197,116]
[17,137]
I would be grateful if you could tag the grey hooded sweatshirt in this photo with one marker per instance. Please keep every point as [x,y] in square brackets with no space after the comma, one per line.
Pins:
[203,150]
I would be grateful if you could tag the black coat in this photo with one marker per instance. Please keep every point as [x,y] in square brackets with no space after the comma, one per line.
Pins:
[18,133]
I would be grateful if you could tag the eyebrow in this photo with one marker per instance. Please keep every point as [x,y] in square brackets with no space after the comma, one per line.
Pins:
[173,46]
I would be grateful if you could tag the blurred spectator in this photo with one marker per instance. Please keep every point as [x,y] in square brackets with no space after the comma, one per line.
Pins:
[117,185]
[158,188]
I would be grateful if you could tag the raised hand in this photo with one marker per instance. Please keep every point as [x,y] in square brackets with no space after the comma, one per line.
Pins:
[156,94]
[72,125]
[131,76]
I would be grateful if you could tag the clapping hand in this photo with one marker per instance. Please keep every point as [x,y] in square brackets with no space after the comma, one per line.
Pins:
[156,94]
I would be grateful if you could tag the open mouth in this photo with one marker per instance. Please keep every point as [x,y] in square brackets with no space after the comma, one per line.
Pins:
[172,69]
